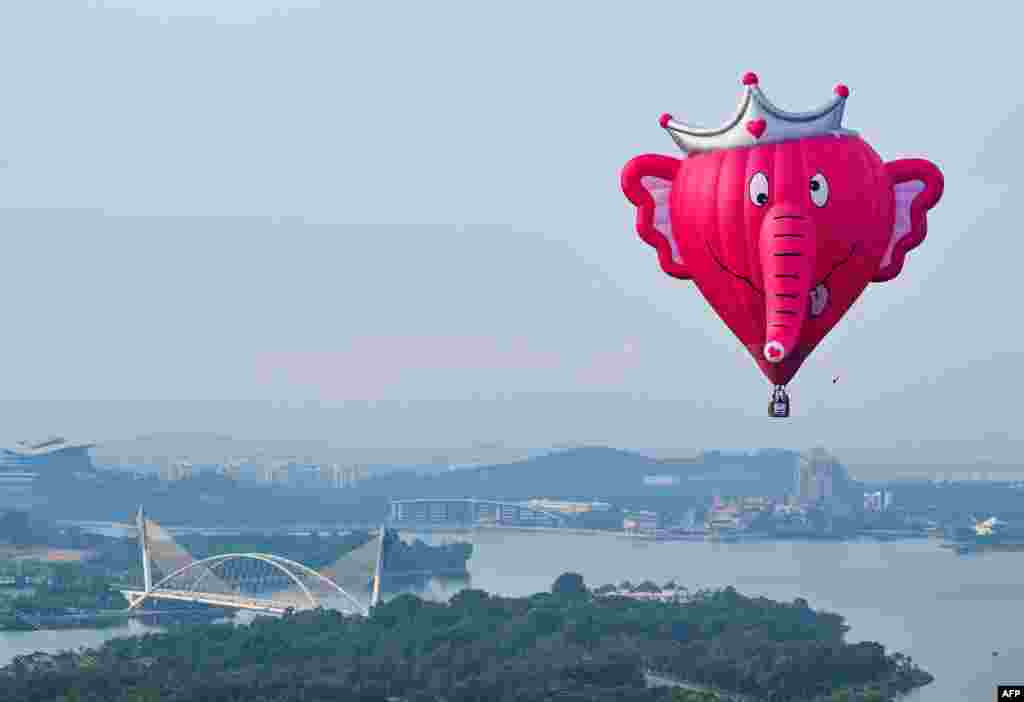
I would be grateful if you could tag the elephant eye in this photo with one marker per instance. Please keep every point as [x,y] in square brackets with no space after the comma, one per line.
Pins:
[819,190]
[759,189]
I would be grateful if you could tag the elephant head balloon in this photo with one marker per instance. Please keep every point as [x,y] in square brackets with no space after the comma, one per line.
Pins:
[781,219]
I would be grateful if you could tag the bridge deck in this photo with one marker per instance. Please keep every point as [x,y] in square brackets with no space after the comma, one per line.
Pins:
[215,600]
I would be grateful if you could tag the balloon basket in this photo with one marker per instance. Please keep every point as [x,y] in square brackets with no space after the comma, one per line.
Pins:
[778,407]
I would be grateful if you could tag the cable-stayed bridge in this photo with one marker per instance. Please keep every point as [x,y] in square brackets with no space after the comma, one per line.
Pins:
[258,582]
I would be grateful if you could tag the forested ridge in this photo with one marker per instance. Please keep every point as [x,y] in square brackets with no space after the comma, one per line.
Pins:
[568,645]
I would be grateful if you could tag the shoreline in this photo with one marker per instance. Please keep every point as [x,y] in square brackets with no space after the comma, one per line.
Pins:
[100,619]
[455,528]
[892,688]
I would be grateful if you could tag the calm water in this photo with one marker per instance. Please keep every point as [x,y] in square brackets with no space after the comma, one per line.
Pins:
[17,643]
[948,612]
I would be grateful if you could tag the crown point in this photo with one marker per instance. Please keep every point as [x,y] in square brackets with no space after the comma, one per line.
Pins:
[749,78]
[664,120]
[842,91]
[756,127]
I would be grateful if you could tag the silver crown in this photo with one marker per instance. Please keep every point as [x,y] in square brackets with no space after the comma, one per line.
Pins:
[758,121]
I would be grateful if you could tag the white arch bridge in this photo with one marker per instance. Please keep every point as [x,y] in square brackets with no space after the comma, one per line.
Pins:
[258,582]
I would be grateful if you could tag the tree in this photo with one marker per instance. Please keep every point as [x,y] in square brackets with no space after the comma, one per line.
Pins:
[480,647]
[569,584]
[647,586]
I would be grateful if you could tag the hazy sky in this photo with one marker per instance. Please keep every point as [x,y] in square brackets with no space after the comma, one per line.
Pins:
[450,237]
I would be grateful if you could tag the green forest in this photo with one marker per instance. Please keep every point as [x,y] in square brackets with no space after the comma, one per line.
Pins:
[568,644]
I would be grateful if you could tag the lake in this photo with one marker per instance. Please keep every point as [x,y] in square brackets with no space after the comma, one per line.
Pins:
[948,612]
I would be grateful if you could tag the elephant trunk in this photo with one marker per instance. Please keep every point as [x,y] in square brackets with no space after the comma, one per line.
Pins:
[788,249]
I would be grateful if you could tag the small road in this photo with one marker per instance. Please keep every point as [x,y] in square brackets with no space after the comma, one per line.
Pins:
[659,680]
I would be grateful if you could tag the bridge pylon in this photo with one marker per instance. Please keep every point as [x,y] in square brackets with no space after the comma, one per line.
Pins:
[375,597]
[147,573]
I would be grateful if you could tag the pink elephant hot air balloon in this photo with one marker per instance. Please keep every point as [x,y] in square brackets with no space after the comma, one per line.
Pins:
[781,219]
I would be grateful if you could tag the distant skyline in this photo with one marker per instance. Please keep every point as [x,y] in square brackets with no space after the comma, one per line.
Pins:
[409,220]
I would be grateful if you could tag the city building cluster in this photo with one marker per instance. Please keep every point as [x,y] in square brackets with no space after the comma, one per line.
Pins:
[566,507]
[278,472]
[641,522]
[820,489]
[818,484]
[717,494]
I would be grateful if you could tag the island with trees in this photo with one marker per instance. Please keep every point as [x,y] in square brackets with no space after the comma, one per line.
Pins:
[571,644]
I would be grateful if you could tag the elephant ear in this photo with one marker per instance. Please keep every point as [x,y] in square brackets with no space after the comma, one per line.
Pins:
[917,186]
[647,183]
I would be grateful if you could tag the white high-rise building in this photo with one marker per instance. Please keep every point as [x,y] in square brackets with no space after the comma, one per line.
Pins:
[277,472]
[887,500]
[179,470]
[818,474]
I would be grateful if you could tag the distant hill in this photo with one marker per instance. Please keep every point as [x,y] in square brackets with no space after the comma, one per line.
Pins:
[582,473]
[606,473]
